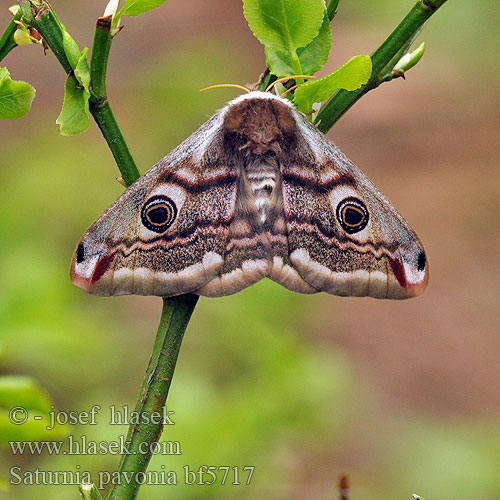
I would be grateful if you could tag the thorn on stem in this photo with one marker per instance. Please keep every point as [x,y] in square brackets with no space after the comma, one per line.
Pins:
[117,30]
[344,487]
[397,73]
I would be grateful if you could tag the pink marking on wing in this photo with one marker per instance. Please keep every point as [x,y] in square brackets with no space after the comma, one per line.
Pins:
[101,267]
[399,271]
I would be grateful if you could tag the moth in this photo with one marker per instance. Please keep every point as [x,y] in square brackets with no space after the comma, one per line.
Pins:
[256,192]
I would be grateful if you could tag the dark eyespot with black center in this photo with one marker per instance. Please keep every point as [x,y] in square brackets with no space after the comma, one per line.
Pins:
[80,253]
[421,261]
[352,215]
[158,213]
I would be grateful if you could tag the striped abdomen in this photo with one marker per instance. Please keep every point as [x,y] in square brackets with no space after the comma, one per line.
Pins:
[263,178]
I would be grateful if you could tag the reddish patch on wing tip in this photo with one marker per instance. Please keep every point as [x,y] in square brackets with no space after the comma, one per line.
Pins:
[399,271]
[101,267]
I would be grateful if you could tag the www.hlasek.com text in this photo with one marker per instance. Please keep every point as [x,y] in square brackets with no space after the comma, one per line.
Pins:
[84,446]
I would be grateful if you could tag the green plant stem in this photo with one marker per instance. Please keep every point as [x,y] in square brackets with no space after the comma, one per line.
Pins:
[46,23]
[331,10]
[142,437]
[99,105]
[105,119]
[343,99]
[100,56]
[7,41]
[49,27]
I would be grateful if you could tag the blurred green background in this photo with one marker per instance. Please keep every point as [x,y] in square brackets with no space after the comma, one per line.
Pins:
[402,396]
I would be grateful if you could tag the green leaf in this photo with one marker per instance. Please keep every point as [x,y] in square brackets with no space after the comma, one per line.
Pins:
[27,12]
[71,49]
[410,59]
[25,411]
[138,7]
[82,70]
[74,117]
[19,390]
[312,57]
[90,492]
[15,97]
[38,427]
[284,25]
[350,76]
